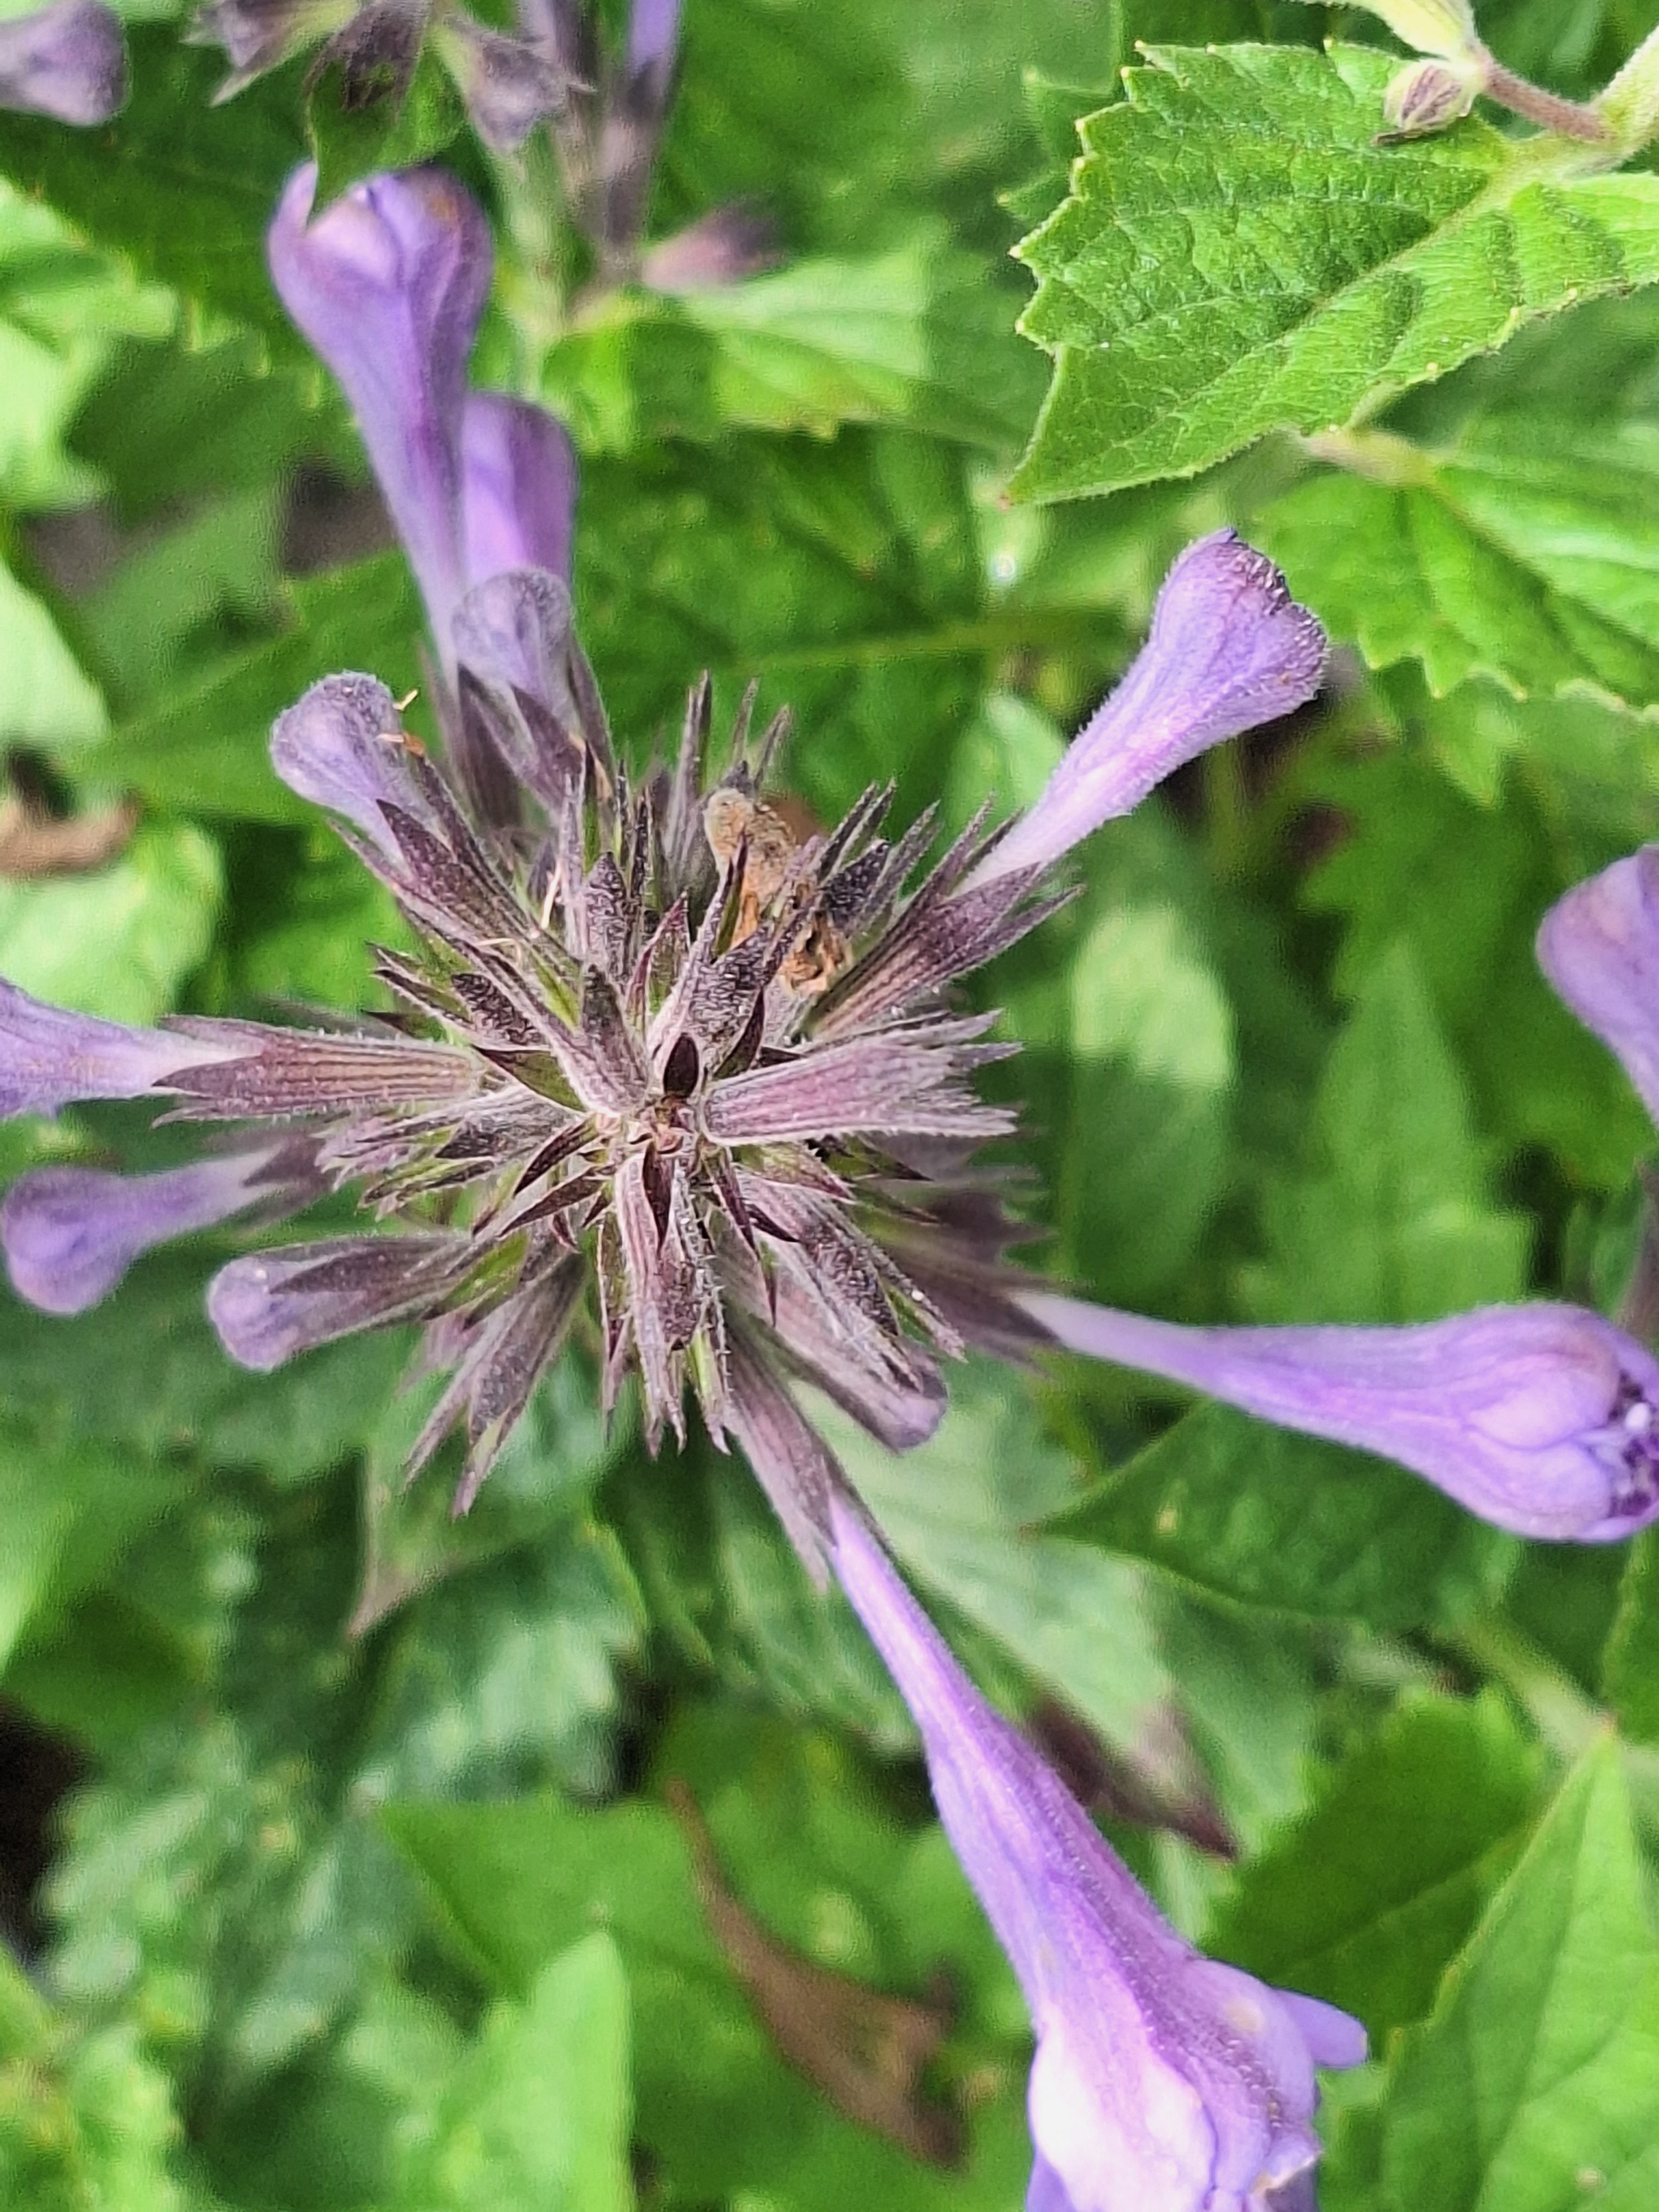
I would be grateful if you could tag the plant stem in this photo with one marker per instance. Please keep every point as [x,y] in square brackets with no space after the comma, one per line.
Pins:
[1569,119]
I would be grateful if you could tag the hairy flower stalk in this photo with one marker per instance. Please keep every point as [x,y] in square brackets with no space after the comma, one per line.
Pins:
[1164,2082]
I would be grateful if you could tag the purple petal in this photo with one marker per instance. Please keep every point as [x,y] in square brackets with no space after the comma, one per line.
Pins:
[519,487]
[1600,948]
[654,29]
[720,248]
[1229,648]
[49,1057]
[69,1234]
[68,61]
[341,746]
[388,284]
[794,1466]
[257,34]
[272,1305]
[508,85]
[1161,2079]
[1542,1418]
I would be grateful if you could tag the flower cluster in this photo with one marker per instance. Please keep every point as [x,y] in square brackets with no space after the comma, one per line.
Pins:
[666,1068]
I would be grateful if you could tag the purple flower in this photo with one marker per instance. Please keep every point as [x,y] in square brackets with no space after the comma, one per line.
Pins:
[655,1050]
[68,61]
[654,30]
[388,285]
[1542,1418]
[257,35]
[509,85]
[1600,947]
[49,1057]
[1229,649]
[721,247]
[69,1234]
[1163,2081]
[518,488]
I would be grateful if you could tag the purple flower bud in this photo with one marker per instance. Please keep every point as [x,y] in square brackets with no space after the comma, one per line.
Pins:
[388,284]
[258,34]
[1600,948]
[518,488]
[272,1305]
[721,247]
[1163,2081]
[69,1234]
[49,1057]
[1429,94]
[340,747]
[1542,1418]
[68,61]
[1229,648]
[509,87]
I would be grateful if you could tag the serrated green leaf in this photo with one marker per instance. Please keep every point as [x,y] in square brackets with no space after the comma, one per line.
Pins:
[1237,254]
[1395,1225]
[1528,553]
[207,749]
[537,2120]
[120,940]
[1533,2087]
[918,336]
[1364,1900]
[183,188]
[1267,1518]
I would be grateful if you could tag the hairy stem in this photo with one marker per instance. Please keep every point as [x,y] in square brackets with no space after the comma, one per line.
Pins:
[1569,119]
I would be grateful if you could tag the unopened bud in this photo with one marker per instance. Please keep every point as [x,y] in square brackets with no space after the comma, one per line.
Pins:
[1428,96]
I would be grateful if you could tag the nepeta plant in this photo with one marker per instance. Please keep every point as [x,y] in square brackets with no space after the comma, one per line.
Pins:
[634,1057]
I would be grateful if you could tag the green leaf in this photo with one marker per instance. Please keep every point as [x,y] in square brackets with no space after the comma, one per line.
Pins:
[1629,1665]
[1366,1898]
[1268,1518]
[86,2122]
[46,698]
[181,187]
[1535,2084]
[358,124]
[1393,1222]
[207,748]
[120,940]
[538,2120]
[1528,553]
[915,336]
[61,306]
[1237,254]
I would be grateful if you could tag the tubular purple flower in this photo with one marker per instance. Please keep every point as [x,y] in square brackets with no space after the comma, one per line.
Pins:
[654,30]
[69,1234]
[1229,649]
[272,1305]
[508,84]
[1540,1419]
[1163,2081]
[68,61]
[388,284]
[1600,948]
[721,247]
[518,488]
[49,1057]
